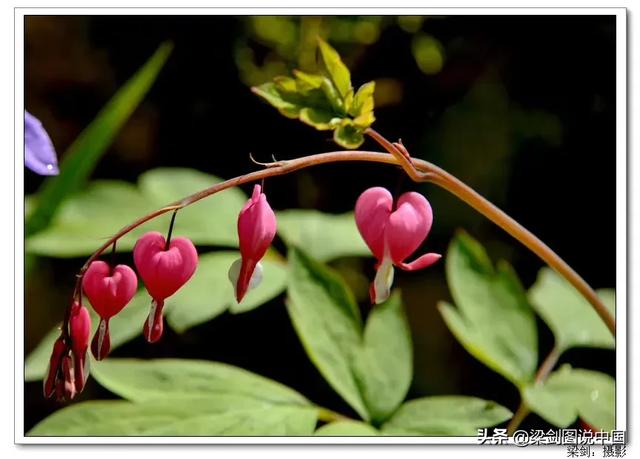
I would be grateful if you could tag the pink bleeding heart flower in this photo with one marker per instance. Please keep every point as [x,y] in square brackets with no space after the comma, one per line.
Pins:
[164,268]
[109,290]
[256,230]
[79,331]
[393,235]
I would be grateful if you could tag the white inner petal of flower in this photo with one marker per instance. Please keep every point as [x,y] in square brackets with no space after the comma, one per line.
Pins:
[256,277]
[384,279]
[234,274]
[150,319]
[102,328]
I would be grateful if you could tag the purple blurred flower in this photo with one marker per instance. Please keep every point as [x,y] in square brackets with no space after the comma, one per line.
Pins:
[39,154]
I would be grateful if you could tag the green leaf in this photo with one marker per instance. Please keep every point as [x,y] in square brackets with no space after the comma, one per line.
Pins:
[322,120]
[569,316]
[370,369]
[569,393]
[280,421]
[348,135]
[122,328]
[210,221]
[327,321]
[384,364]
[187,416]
[90,217]
[337,71]
[323,236]
[82,156]
[363,102]
[145,380]
[493,320]
[87,219]
[184,397]
[209,292]
[346,429]
[445,416]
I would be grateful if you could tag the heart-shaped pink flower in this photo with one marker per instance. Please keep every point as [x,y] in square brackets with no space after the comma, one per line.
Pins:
[163,269]
[393,235]
[109,290]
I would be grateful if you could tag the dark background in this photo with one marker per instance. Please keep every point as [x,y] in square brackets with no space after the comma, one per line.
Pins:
[523,110]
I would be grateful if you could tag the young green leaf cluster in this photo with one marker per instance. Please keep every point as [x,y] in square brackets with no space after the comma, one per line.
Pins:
[325,101]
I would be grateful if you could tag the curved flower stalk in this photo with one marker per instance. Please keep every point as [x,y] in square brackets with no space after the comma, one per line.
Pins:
[164,266]
[393,235]
[256,230]
[39,153]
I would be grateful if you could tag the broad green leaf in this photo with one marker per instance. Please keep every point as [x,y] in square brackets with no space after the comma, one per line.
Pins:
[280,421]
[445,416]
[384,364]
[337,71]
[346,429]
[82,156]
[570,393]
[87,219]
[90,217]
[371,368]
[323,236]
[209,292]
[115,418]
[327,321]
[569,316]
[211,221]
[493,320]
[122,328]
[187,416]
[145,380]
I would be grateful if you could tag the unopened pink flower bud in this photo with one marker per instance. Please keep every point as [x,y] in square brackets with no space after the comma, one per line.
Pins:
[256,230]
[79,331]
[55,363]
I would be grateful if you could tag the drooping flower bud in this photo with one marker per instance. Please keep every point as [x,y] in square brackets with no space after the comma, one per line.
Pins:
[79,331]
[256,230]
[60,349]
[68,389]
[163,269]
[109,290]
[393,235]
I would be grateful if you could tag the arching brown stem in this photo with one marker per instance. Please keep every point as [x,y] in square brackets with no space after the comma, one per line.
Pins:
[419,171]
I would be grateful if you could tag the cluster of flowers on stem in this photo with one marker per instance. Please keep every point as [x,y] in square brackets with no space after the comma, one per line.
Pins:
[165,265]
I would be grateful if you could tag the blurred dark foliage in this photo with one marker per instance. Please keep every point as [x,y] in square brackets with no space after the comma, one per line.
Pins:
[522,109]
